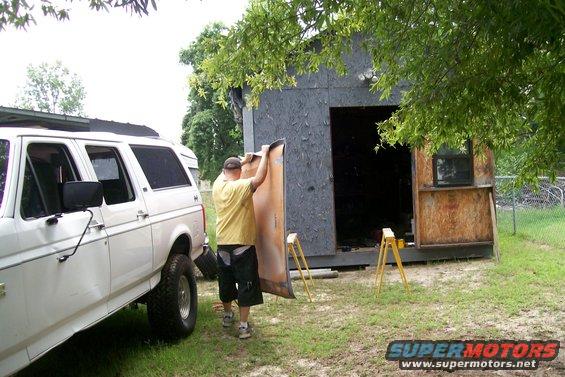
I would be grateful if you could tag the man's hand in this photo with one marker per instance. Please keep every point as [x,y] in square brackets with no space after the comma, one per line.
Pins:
[262,169]
[247,159]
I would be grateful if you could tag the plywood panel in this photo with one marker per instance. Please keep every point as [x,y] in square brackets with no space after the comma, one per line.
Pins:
[483,165]
[270,219]
[424,169]
[302,117]
[454,216]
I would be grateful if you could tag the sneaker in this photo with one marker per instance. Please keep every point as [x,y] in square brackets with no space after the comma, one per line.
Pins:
[245,332]
[228,319]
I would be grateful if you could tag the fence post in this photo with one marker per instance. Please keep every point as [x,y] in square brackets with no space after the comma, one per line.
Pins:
[513,208]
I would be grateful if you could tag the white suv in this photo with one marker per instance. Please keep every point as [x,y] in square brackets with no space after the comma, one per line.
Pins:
[136,215]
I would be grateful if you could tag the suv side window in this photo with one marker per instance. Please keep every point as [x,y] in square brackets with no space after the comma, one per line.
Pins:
[196,175]
[161,167]
[4,151]
[48,167]
[111,172]
[194,171]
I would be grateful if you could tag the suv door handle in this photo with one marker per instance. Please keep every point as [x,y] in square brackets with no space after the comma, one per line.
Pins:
[142,214]
[96,225]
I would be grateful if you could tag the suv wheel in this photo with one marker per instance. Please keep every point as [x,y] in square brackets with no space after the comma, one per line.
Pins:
[172,304]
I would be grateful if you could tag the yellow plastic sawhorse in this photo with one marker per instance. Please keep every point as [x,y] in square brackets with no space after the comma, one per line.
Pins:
[389,240]
[291,242]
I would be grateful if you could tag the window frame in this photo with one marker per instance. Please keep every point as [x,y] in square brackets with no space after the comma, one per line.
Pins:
[72,164]
[121,164]
[176,158]
[4,189]
[468,157]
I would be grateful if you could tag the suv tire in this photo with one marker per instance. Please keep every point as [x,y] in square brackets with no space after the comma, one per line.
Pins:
[173,303]
[207,263]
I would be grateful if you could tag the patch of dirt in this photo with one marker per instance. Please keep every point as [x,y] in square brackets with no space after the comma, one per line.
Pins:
[427,275]
[535,324]
[300,367]
[312,368]
[538,324]
[267,371]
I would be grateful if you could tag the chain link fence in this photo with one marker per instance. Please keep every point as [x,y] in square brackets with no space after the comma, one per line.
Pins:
[537,214]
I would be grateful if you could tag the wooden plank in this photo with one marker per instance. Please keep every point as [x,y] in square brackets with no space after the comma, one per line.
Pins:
[461,244]
[424,172]
[452,188]
[494,230]
[409,254]
[457,216]
[415,198]
[483,168]
[388,233]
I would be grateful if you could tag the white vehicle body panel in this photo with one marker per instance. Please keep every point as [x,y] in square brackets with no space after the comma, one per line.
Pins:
[129,236]
[60,292]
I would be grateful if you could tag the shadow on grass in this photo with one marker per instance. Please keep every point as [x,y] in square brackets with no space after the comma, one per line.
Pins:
[124,345]
[98,350]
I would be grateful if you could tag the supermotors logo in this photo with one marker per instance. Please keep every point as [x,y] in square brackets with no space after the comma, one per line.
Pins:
[471,354]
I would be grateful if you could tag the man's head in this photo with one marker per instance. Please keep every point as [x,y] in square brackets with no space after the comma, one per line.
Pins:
[232,168]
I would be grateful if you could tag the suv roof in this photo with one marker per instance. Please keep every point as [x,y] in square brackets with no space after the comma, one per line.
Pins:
[13,132]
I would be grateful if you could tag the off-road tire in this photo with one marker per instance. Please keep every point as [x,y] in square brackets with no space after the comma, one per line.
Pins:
[207,263]
[164,301]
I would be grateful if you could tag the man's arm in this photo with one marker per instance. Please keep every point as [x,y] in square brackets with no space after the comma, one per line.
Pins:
[262,169]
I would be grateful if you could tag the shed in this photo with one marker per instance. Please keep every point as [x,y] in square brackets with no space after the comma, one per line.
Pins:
[340,193]
[12,117]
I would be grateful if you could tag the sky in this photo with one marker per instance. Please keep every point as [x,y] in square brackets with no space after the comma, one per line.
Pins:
[128,64]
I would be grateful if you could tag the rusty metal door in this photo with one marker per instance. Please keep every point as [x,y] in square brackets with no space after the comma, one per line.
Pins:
[269,203]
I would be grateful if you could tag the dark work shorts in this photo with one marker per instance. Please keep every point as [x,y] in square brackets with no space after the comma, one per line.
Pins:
[242,272]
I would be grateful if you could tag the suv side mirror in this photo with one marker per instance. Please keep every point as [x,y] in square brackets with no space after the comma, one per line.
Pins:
[78,196]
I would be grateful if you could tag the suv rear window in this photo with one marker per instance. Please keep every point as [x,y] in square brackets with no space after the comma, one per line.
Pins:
[4,155]
[48,167]
[161,167]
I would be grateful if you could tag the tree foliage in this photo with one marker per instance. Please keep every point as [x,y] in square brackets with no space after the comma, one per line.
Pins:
[489,70]
[208,128]
[52,88]
[20,13]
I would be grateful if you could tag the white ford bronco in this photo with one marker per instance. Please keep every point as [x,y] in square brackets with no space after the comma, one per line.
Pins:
[89,223]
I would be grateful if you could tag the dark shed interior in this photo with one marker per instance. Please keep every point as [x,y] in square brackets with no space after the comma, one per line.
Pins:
[372,190]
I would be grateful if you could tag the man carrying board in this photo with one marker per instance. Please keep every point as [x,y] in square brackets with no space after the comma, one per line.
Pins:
[236,235]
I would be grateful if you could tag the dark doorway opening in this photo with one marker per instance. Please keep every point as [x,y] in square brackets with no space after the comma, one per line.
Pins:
[372,190]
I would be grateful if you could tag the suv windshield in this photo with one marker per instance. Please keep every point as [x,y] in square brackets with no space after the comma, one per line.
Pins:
[4,149]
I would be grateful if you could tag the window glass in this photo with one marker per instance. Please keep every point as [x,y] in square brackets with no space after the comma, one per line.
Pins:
[48,167]
[453,167]
[111,172]
[4,151]
[193,171]
[161,167]
[196,175]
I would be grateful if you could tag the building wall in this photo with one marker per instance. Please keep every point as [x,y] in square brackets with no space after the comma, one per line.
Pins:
[301,115]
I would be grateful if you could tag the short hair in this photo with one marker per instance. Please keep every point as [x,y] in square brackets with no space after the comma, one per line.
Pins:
[232,163]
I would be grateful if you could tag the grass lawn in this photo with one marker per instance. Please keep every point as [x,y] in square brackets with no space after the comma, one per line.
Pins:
[345,330]
[210,217]
[545,225]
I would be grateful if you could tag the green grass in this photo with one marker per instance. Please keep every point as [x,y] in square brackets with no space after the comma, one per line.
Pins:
[345,330]
[210,217]
[543,225]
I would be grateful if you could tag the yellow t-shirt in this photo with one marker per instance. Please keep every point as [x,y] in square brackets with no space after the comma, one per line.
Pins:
[235,221]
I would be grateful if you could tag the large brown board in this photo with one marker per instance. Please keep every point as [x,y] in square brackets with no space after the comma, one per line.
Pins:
[269,203]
